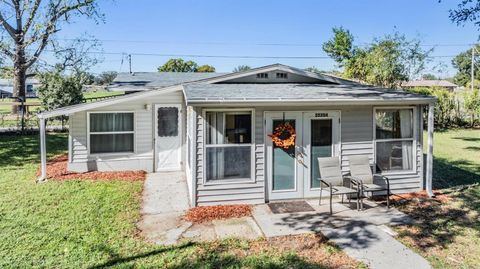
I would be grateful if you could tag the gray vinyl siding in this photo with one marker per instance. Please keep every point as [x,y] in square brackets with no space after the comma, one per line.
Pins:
[356,139]
[232,193]
[143,158]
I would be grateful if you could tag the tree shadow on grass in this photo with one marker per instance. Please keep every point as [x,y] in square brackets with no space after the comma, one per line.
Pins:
[17,150]
[221,255]
[439,223]
[448,174]
[468,139]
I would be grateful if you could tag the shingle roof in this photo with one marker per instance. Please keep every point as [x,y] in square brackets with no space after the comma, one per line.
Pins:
[429,83]
[214,93]
[150,80]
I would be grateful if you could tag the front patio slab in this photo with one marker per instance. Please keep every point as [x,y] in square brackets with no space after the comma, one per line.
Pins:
[361,234]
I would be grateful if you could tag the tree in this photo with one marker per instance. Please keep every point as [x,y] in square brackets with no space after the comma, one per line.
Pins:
[6,72]
[463,63]
[205,69]
[472,104]
[241,68]
[443,108]
[386,62]
[58,90]
[466,11]
[28,27]
[340,47]
[178,65]
[429,77]
[105,78]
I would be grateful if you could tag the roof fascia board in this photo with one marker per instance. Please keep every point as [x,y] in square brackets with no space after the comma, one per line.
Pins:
[415,101]
[111,101]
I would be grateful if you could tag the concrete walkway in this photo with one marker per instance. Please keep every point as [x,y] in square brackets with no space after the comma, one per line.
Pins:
[362,235]
[165,201]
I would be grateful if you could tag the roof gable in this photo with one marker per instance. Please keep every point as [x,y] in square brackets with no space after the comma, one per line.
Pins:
[294,75]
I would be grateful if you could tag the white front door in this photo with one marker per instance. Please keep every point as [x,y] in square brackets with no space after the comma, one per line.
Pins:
[292,173]
[168,137]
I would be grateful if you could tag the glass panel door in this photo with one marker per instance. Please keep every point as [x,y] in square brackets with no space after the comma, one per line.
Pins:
[320,146]
[283,163]
[284,172]
[321,139]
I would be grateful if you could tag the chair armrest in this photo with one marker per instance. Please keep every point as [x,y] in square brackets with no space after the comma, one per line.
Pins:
[356,181]
[324,182]
[383,177]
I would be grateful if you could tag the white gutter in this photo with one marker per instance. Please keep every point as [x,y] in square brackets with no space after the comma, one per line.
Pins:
[316,101]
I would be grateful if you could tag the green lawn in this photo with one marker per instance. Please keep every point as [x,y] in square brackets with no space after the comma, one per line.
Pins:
[81,224]
[99,94]
[5,109]
[449,232]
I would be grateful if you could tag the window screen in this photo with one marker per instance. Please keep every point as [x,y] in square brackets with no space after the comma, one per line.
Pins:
[167,121]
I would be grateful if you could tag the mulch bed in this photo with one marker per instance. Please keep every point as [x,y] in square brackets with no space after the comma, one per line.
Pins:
[57,170]
[420,195]
[439,196]
[201,214]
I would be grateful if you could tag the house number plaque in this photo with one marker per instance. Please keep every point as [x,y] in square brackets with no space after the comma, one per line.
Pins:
[321,115]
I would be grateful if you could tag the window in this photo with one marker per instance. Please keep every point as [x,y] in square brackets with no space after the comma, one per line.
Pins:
[228,145]
[167,124]
[282,75]
[262,75]
[111,132]
[394,139]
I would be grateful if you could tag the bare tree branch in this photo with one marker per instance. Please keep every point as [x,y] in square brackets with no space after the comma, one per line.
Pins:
[10,30]
[31,17]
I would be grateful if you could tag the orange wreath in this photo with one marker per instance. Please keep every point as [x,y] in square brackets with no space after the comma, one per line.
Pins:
[284,136]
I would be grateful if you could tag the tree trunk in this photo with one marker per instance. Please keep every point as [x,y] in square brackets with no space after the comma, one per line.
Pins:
[19,76]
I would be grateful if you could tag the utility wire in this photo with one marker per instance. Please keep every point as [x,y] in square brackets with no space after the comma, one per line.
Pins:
[226,56]
[273,44]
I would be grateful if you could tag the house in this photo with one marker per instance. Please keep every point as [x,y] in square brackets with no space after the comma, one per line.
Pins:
[6,87]
[430,84]
[217,130]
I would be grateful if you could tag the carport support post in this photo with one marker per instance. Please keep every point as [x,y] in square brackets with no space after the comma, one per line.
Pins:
[43,150]
[428,182]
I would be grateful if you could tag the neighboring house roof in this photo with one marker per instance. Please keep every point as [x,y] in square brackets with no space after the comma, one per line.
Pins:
[6,84]
[222,87]
[222,93]
[141,81]
[429,83]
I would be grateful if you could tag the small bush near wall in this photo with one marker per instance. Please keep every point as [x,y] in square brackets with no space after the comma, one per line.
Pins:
[453,109]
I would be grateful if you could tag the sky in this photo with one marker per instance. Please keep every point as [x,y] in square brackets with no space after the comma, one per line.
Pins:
[263,28]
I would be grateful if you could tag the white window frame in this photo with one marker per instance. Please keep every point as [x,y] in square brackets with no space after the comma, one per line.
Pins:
[252,147]
[123,132]
[413,139]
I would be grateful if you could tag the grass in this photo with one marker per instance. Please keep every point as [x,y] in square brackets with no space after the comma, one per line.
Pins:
[6,109]
[100,94]
[86,224]
[448,233]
